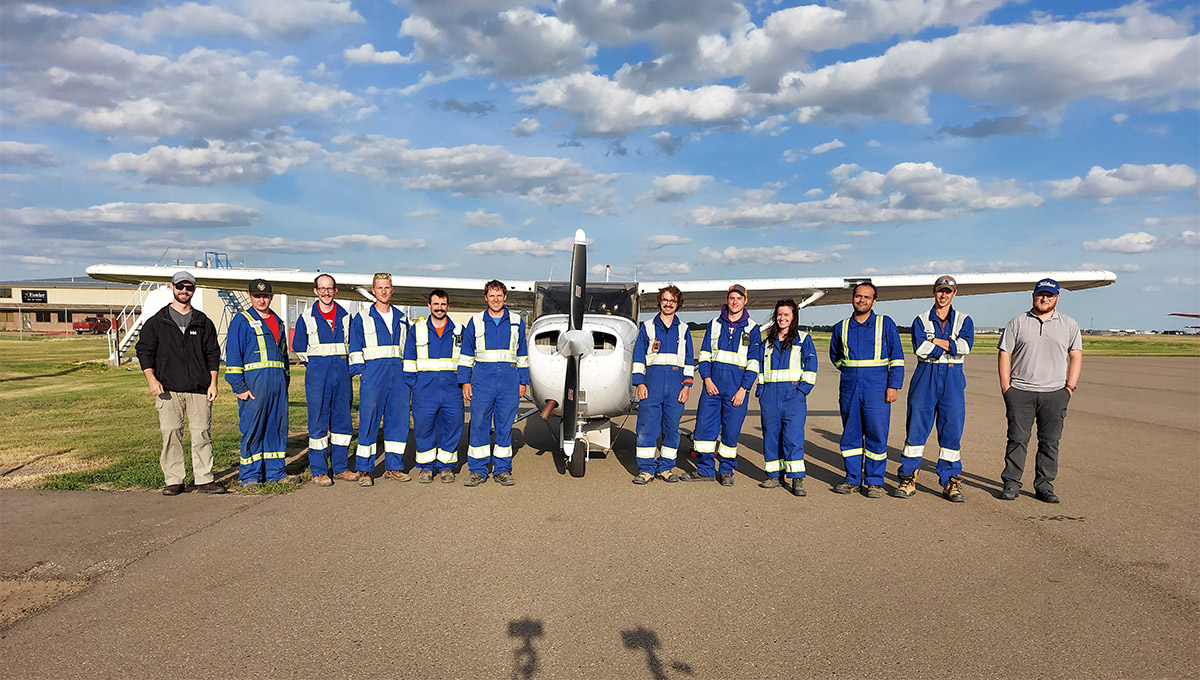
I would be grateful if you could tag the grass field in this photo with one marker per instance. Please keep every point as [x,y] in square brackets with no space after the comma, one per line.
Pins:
[76,422]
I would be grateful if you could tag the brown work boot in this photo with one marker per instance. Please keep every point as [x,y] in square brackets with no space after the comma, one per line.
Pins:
[426,477]
[397,475]
[346,476]
[907,487]
[447,477]
[953,491]
[322,480]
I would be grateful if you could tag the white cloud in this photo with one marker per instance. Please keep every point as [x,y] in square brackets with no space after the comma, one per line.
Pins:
[36,259]
[515,246]
[431,266]
[771,125]
[673,188]
[663,240]
[1127,180]
[191,215]
[763,256]
[664,269]
[424,212]
[1151,289]
[1142,242]
[366,54]
[526,127]
[1112,267]
[372,241]
[622,22]
[874,143]
[287,18]
[666,142]
[1119,118]
[861,233]
[1183,281]
[332,263]
[20,153]
[474,170]
[828,146]
[480,218]
[205,162]
[257,19]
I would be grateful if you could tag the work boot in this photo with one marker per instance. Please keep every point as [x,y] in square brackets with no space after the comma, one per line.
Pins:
[397,475]
[1010,493]
[643,478]
[798,487]
[346,476]
[770,483]
[364,479]
[668,476]
[907,487]
[172,490]
[726,479]
[843,487]
[322,480]
[694,477]
[211,487]
[290,480]
[505,479]
[250,486]
[447,477]
[953,491]
[475,479]
[426,477]
[872,491]
[1046,496]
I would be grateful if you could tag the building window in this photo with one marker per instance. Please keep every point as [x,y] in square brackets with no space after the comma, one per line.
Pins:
[6,293]
[42,317]
[62,316]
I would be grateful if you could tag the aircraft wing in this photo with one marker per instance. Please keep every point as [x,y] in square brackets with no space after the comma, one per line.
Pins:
[409,290]
[710,295]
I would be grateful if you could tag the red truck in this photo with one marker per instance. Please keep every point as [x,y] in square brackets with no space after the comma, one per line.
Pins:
[93,325]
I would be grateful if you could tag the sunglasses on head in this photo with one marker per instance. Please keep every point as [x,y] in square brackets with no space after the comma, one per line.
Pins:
[184,286]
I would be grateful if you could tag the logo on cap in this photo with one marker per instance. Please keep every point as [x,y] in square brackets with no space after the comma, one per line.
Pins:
[262,286]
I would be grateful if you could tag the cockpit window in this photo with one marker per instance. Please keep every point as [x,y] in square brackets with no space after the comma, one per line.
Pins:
[611,299]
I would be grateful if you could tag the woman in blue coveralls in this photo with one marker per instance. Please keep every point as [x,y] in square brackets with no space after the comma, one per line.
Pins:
[789,372]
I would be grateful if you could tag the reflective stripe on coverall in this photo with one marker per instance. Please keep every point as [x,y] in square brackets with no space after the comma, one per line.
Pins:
[871,360]
[377,353]
[495,361]
[252,363]
[936,392]
[662,361]
[437,403]
[783,386]
[731,355]
[325,350]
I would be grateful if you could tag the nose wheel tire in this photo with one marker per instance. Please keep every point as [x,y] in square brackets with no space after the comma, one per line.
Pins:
[578,463]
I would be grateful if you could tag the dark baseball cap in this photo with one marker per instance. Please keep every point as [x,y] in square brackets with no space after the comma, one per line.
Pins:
[945,282]
[1046,286]
[260,287]
[183,277]
[737,288]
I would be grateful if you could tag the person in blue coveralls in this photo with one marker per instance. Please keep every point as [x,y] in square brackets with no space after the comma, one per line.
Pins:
[431,355]
[866,349]
[377,337]
[256,367]
[493,369]
[729,361]
[662,376]
[322,342]
[789,372]
[941,339]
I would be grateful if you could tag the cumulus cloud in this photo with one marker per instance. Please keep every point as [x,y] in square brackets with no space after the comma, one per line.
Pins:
[36,259]
[663,240]
[828,146]
[909,192]
[1128,180]
[424,212]
[332,263]
[190,215]
[366,54]
[206,162]
[474,170]
[666,142]
[1002,125]
[480,218]
[764,256]
[20,153]
[674,188]
[664,269]
[481,108]
[372,241]
[526,127]
[1143,242]
[516,246]
[286,19]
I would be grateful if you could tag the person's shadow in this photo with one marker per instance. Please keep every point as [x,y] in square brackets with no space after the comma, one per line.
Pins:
[647,641]
[525,661]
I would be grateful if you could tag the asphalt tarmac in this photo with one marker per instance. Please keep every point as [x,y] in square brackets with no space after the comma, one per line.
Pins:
[598,578]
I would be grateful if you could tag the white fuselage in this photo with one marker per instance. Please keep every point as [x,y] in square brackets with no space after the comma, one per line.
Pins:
[605,373]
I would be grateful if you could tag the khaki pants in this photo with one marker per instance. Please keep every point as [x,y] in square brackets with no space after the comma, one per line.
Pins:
[172,407]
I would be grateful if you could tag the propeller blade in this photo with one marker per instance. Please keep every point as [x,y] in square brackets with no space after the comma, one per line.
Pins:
[570,403]
[578,280]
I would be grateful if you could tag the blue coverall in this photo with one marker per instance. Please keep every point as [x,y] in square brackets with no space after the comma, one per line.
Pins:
[731,355]
[662,361]
[495,361]
[325,350]
[937,392]
[256,361]
[437,402]
[377,353]
[871,360]
[788,375]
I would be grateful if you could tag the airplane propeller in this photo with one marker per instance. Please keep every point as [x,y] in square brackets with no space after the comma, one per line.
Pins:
[575,344]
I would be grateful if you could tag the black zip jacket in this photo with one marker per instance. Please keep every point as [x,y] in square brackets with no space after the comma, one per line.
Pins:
[182,362]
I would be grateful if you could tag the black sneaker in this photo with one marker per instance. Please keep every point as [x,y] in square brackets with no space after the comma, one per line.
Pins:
[843,487]
[725,479]
[1046,496]
[1010,493]
[475,479]
[694,477]
[798,487]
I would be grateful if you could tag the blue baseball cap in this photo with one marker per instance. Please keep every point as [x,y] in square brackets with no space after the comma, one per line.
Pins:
[1046,286]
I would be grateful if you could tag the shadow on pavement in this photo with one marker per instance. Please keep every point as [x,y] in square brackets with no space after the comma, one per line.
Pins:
[525,660]
[646,641]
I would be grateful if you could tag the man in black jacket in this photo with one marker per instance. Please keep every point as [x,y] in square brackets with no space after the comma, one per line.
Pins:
[180,356]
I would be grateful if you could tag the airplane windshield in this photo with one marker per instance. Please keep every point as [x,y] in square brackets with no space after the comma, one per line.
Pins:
[613,299]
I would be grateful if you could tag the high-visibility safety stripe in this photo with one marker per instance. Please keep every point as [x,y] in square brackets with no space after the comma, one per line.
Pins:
[356,357]
[727,451]
[339,439]
[479,451]
[393,446]
[424,362]
[316,348]
[639,368]
[501,356]
[252,459]
[913,451]
[960,345]
[646,451]
[669,454]
[265,455]
[262,350]
[445,456]
[773,465]
[426,456]
[875,456]
[233,369]
[738,358]
[502,452]
[705,446]
[384,352]
[676,358]
[846,453]
[365,451]
[318,442]
[372,350]
[253,366]
[847,362]
[950,455]
[794,372]
[794,465]
[328,349]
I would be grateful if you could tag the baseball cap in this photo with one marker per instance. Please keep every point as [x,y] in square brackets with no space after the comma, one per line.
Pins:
[737,288]
[1046,286]
[183,277]
[945,282]
[260,287]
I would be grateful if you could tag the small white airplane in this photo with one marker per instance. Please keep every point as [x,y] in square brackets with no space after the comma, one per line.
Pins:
[577,321]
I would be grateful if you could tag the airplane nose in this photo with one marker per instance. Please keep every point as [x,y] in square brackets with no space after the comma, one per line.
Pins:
[576,343]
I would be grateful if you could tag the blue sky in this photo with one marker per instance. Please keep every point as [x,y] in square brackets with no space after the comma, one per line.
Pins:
[732,140]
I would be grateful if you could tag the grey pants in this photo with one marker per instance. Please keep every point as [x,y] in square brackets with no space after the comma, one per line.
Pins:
[172,407]
[1048,410]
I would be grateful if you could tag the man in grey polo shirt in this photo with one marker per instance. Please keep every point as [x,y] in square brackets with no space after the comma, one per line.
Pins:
[1041,356]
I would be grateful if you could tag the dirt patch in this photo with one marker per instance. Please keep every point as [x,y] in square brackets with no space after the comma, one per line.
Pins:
[20,598]
[33,473]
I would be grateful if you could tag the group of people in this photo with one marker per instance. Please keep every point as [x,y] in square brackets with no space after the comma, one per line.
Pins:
[431,367]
